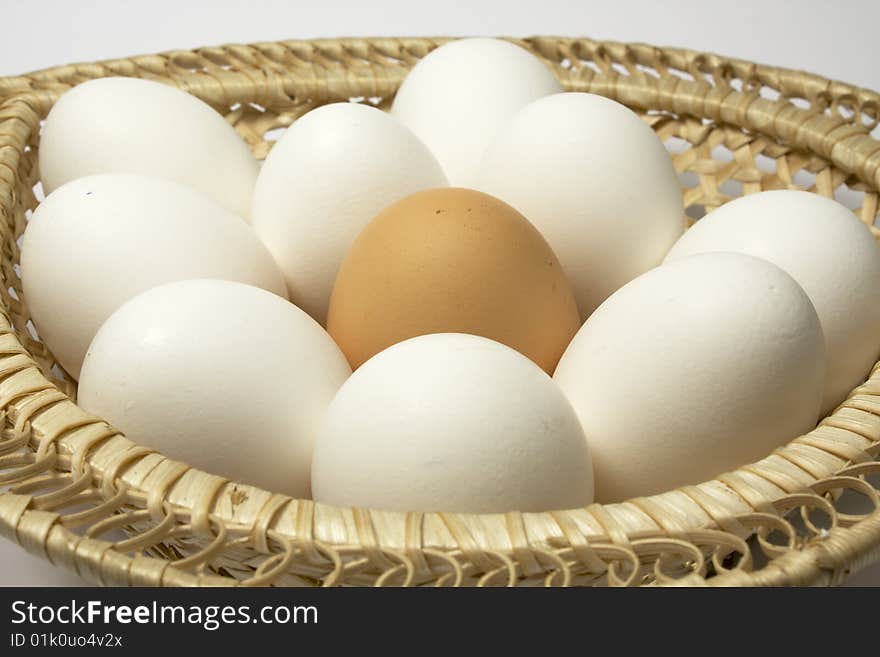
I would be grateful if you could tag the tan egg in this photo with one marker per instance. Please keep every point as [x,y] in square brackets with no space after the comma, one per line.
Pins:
[452,260]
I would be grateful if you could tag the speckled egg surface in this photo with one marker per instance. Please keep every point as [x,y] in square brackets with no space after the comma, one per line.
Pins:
[452,260]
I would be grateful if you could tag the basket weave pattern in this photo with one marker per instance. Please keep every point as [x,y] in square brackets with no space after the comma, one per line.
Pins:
[80,494]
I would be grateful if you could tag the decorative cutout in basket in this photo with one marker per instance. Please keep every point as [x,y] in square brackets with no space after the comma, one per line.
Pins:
[734,128]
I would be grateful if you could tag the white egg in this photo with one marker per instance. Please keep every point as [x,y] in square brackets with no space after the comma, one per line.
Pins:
[826,249]
[596,181]
[694,368]
[333,170]
[226,377]
[451,422]
[97,241]
[456,97]
[129,125]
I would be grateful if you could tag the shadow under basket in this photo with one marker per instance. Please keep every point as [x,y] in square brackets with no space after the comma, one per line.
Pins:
[78,493]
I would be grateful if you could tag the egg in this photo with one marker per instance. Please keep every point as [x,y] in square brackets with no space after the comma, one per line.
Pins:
[330,173]
[97,241]
[226,377]
[455,98]
[451,422]
[694,368]
[826,249]
[130,125]
[452,260]
[596,181]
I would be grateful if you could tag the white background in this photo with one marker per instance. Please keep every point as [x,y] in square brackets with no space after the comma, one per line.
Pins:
[835,39]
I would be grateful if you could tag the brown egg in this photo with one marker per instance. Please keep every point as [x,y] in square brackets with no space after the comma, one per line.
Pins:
[452,260]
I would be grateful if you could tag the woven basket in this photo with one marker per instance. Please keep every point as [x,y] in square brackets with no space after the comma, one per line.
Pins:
[84,497]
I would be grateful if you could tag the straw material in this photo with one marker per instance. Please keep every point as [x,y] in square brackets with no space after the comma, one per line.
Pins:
[82,496]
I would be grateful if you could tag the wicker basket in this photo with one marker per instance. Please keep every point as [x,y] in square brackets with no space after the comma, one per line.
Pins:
[81,495]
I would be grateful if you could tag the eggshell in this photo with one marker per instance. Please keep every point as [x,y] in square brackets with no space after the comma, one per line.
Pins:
[331,172]
[455,98]
[596,181]
[452,260]
[97,241]
[130,125]
[826,249]
[451,422]
[696,367]
[226,377]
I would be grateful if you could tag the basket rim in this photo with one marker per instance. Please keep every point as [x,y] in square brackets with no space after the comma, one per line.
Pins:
[168,487]
[643,53]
